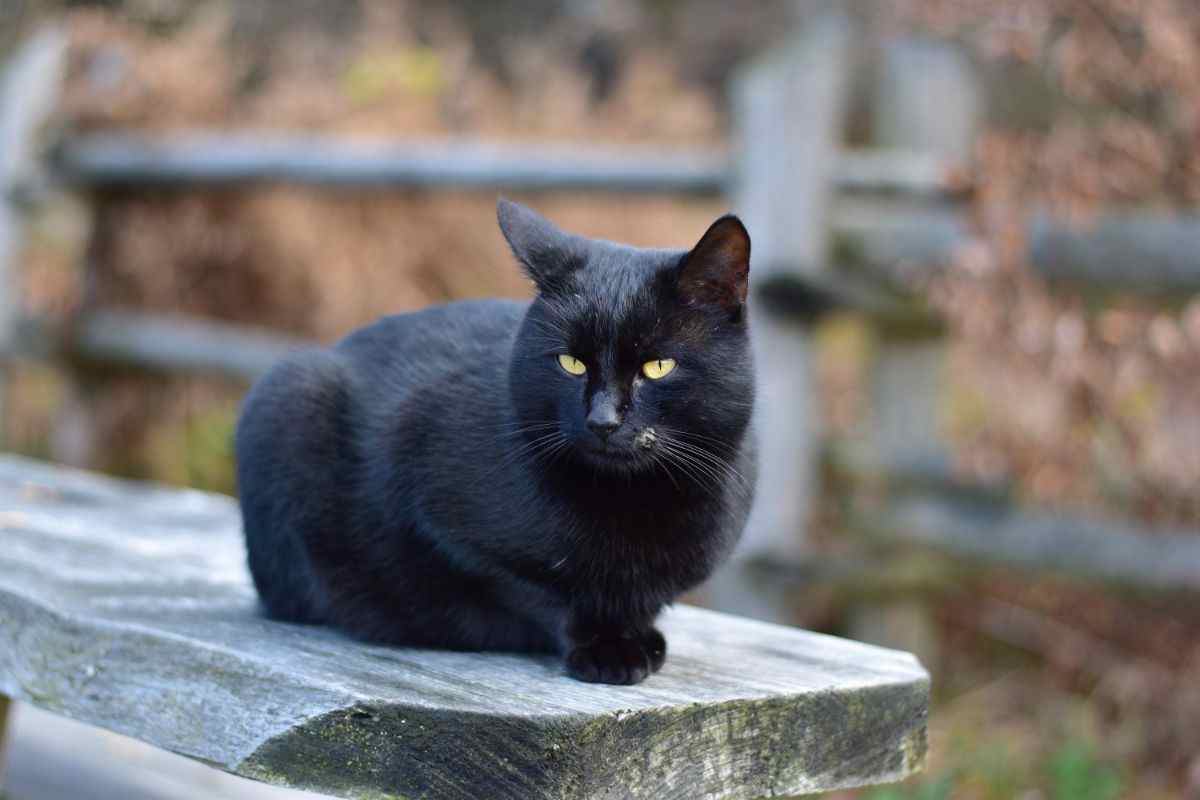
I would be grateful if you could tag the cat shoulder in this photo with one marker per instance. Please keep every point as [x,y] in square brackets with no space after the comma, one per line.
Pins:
[485,317]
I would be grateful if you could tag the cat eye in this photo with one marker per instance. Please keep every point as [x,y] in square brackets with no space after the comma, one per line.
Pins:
[658,368]
[571,364]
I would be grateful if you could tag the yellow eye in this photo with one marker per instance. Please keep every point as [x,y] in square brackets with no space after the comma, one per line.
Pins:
[658,368]
[571,364]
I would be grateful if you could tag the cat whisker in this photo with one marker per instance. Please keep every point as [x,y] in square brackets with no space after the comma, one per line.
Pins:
[666,468]
[538,443]
[522,423]
[517,428]
[552,450]
[702,451]
[688,467]
[715,462]
[691,443]
[698,465]
[707,450]
[724,448]
[558,451]
[701,462]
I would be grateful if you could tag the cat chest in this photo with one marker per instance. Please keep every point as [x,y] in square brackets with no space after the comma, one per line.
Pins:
[632,560]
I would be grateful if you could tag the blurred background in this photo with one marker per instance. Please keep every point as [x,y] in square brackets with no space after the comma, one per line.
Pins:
[993,404]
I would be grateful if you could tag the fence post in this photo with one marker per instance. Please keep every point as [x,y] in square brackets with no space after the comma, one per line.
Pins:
[788,112]
[926,99]
[28,93]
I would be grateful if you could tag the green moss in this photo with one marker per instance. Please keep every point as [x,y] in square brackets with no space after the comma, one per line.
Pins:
[1075,772]
[769,746]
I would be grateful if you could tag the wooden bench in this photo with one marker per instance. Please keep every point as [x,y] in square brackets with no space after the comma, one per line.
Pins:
[128,606]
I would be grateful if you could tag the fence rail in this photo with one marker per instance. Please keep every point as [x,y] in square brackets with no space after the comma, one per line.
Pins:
[1122,554]
[198,159]
[164,343]
[921,502]
[892,204]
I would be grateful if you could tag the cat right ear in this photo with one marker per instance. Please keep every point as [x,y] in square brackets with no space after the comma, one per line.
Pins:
[547,254]
[716,271]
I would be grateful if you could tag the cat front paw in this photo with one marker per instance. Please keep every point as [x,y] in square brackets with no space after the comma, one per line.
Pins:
[622,661]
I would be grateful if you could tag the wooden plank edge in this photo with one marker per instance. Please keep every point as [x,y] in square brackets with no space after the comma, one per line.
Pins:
[815,741]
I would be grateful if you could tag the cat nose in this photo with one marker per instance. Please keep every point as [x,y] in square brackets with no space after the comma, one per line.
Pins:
[603,419]
[603,429]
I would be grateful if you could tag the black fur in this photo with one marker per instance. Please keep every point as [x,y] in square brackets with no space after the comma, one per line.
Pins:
[432,480]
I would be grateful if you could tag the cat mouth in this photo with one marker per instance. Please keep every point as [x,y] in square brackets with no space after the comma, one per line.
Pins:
[624,455]
[607,451]
[607,454]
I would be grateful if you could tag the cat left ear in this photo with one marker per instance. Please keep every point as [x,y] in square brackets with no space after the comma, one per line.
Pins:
[547,254]
[717,270]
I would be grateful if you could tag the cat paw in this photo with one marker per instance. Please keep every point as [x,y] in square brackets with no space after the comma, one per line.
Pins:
[656,647]
[623,661]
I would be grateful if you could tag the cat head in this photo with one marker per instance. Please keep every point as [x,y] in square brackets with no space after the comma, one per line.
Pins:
[630,359]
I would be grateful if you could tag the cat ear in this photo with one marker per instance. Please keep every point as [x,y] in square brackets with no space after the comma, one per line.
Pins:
[717,269]
[547,254]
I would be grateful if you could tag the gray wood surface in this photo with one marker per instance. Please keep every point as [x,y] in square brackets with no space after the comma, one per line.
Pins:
[128,606]
[1151,252]
[974,527]
[222,159]
[927,97]
[1155,253]
[157,342]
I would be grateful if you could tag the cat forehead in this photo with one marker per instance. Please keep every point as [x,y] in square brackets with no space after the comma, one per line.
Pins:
[624,309]
[617,269]
[616,286]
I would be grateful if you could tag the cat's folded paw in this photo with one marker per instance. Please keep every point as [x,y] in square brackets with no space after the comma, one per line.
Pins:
[622,661]
[656,646]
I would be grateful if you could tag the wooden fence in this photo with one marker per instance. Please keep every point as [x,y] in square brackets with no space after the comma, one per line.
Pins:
[804,198]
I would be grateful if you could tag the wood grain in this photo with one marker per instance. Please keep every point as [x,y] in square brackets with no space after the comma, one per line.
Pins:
[128,606]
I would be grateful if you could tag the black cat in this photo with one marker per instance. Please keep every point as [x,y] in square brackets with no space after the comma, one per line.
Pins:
[540,476]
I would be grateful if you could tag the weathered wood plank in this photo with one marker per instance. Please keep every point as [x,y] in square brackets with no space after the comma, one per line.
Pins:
[157,343]
[1154,253]
[222,159]
[927,97]
[129,607]
[973,528]
[917,500]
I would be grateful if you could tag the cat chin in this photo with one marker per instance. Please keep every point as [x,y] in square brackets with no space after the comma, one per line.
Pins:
[616,462]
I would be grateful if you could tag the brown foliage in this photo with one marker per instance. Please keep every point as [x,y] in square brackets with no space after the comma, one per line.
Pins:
[1081,405]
